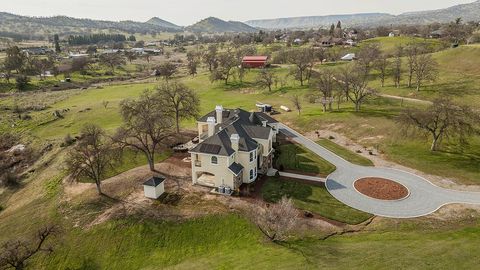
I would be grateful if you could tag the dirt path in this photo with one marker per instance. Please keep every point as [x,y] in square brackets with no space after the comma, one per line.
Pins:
[414,100]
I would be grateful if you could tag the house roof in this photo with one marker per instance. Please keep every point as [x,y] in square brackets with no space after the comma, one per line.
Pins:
[248,125]
[255,58]
[154,181]
[236,168]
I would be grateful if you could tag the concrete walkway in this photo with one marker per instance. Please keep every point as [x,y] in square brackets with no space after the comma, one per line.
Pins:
[302,176]
[424,198]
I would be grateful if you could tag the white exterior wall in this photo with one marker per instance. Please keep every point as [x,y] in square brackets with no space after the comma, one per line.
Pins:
[154,192]
[244,159]
[222,174]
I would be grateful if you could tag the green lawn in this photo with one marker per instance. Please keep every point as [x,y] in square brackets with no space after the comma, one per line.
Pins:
[345,153]
[220,242]
[449,162]
[389,44]
[297,158]
[314,198]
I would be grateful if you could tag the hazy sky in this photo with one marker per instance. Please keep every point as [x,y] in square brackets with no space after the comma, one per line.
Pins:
[185,12]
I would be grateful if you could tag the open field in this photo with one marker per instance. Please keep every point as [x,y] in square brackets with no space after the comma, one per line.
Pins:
[345,153]
[312,197]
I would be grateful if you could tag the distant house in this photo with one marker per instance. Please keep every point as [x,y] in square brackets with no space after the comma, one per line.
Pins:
[254,61]
[37,51]
[391,34]
[436,34]
[235,147]
[348,57]
[351,42]
[297,41]
[330,41]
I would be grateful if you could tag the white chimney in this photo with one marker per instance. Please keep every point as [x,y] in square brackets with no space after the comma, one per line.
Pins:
[211,126]
[264,123]
[235,140]
[219,113]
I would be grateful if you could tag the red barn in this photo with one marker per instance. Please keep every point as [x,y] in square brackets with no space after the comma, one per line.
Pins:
[254,61]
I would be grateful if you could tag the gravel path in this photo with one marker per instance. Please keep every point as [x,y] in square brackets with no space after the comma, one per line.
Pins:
[424,197]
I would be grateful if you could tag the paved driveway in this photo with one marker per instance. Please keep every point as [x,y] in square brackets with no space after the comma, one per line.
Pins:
[424,197]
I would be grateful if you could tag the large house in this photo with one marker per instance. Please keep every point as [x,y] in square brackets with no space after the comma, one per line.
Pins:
[235,146]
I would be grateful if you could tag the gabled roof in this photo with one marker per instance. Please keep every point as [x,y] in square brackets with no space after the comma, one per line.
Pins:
[236,168]
[255,58]
[248,125]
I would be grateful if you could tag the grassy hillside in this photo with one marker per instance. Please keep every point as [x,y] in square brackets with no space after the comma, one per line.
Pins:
[389,44]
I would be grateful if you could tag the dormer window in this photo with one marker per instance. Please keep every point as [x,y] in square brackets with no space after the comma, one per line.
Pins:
[252,156]
[214,160]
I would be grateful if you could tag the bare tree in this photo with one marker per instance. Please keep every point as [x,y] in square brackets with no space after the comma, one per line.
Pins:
[112,60]
[368,54]
[277,220]
[397,66]
[180,101]
[303,60]
[265,79]
[297,103]
[166,70]
[92,156]
[15,253]
[411,52]
[325,83]
[192,63]
[147,124]
[210,57]
[443,119]
[426,69]
[358,89]
[381,65]
[131,56]
[227,61]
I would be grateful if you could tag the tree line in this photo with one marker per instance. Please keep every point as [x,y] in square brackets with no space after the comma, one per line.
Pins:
[97,38]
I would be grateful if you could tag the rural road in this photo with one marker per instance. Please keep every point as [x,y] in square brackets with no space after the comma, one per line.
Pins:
[424,198]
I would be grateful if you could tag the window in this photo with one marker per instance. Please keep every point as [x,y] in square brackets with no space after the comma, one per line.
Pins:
[251,174]
[251,156]
[214,160]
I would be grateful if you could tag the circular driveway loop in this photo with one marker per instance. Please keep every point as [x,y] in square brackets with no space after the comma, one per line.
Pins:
[424,198]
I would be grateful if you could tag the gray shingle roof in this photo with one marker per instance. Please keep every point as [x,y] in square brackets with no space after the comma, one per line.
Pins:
[248,125]
[235,168]
[154,181]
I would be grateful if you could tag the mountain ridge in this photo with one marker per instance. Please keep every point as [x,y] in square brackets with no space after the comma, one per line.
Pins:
[216,25]
[468,12]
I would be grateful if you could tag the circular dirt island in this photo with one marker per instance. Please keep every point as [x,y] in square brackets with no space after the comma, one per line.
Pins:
[380,188]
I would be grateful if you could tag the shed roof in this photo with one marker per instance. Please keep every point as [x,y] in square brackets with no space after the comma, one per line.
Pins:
[154,181]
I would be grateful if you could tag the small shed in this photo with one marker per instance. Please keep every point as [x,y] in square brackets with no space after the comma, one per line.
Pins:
[154,187]
[254,61]
[348,57]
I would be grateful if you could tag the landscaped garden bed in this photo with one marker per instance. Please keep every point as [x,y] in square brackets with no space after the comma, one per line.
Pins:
[380,188]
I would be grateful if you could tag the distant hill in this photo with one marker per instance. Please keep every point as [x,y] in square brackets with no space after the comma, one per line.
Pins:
[216,25]
[468,12]
[38,26]
[162,23]
[319,21]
